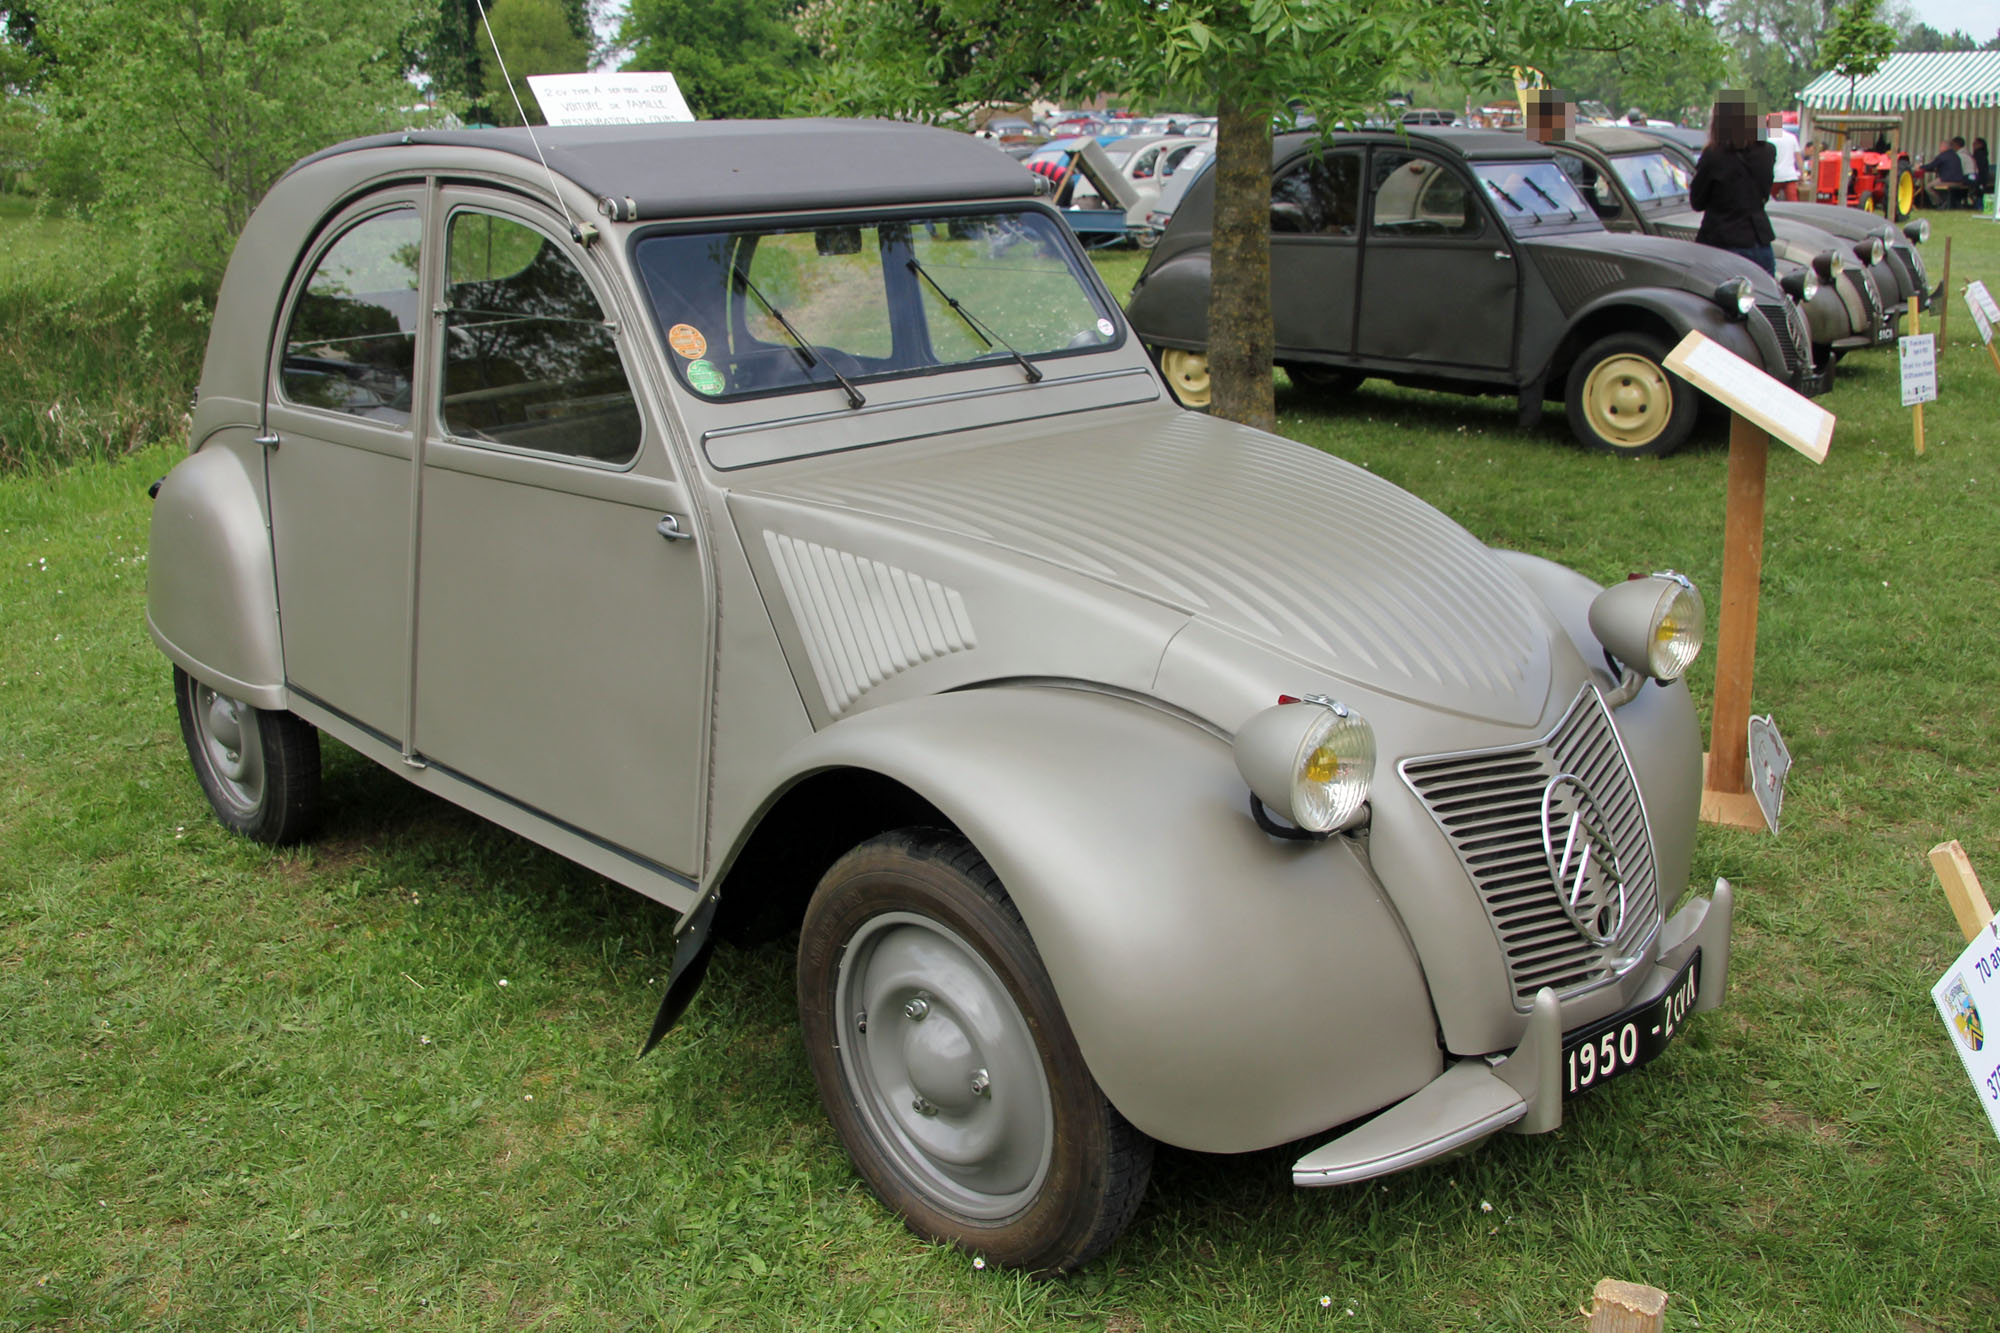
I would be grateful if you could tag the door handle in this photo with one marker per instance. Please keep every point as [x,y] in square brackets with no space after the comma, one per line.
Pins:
[1502,256]
[268,439]
[670,528]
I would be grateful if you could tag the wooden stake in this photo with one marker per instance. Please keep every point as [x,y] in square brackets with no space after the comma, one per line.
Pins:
[1989,346]
[1627,1307]
[1916,330]
[1725,797]
[1961,887]
[1944,307]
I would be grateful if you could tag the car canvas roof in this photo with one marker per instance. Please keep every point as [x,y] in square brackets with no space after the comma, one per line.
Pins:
[1467,142]
[715,168]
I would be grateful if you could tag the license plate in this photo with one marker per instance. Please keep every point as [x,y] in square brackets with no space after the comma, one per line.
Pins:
[1624,1043]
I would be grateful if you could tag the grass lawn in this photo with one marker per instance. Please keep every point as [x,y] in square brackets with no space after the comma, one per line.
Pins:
[387,1079]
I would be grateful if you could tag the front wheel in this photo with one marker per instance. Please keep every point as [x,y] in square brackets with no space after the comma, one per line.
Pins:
[947,1066]
[1622,400]
[258,768]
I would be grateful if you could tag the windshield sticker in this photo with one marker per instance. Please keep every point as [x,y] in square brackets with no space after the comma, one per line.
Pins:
[687,340]
[1104,328]
[705,377]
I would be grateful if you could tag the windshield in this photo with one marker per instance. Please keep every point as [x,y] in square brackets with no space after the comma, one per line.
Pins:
[1652,176]
[1530,194]
[869,300]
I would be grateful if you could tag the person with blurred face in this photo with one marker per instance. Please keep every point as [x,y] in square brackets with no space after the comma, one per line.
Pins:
[1551,117]
[1732,181]
[1785,162]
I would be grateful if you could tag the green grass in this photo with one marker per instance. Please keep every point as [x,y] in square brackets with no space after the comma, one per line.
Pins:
[243,1089]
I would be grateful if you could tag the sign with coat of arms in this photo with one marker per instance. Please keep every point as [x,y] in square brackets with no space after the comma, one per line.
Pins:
[1968,998]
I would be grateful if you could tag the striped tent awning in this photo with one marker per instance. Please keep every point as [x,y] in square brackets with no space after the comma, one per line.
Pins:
[1915,81]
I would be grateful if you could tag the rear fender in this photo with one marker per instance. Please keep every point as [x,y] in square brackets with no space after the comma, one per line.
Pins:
[1170,307]
[1229,990]
[212,595]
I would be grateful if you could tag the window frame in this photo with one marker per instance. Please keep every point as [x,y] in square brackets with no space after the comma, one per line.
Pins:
[345,223]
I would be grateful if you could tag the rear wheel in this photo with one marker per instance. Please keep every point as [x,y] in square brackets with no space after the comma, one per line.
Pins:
[1186,374]
[947,1066]
[258,768]
[1622,400]
[1328,380]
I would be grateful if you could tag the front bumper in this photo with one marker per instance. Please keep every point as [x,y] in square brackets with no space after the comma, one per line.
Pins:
[1522,1091]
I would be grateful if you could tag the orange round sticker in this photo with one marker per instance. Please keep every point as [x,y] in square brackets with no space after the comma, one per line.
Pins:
[687,340]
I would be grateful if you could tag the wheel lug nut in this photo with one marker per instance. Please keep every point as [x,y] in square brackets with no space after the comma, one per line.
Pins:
[917,1007]
[861,1022]
[980,1083]
[923,1106]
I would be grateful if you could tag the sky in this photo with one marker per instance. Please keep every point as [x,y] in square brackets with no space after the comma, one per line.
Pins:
[1978,18]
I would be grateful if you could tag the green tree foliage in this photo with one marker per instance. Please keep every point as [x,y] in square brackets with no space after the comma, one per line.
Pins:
[1858,43]
[733,59]
[1776,44]
[535,37]
[452,52]
[1923,37]
[1250,58]
[1677,71]
[182,112]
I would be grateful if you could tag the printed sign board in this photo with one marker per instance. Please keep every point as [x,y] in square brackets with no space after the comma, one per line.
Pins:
[1968,999]
[1919,353]
[1770,760]
[1979,317]
[1747,391]
[1976,291]
[609,99]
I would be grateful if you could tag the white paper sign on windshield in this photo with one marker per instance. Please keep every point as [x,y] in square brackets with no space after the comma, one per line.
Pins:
[609,99]
[1919,354]
[1976,291]
[1968,999]
[1979,317]
[1789,417]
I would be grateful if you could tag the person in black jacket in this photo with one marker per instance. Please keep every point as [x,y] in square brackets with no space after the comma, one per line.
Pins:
[1732,179]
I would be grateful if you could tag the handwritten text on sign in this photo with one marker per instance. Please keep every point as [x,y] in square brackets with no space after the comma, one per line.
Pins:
[609,99]
[1968,998]
[1919,369]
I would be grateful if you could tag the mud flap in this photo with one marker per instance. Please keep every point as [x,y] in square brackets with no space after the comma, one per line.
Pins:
[692,946]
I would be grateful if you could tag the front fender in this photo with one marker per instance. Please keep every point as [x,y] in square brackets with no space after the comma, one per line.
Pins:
[1229,990]
[212,595]
[1685,312]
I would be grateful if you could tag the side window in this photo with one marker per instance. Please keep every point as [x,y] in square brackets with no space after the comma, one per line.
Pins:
[351,346]
[1318,197]
[1143,168]
[529,361]
[1592,185]
[1419,196]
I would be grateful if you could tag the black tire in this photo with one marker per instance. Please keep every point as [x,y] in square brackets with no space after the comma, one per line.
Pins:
[947,1066]
[1330,381]
[258,768]
[1621,399]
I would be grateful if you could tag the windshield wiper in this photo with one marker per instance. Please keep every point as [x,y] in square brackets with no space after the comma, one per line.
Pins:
[979,330]
[1529,182]
[1512,202]
[807,353]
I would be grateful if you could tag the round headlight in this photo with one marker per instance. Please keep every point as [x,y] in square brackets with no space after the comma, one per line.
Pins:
[1311,760]
[1828,264]
[1652,625]
[1737,297]
[1870,251]
[1918,231]
[1802,284]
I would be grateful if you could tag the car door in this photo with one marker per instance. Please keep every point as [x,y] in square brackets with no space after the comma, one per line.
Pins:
[340,426]
[562,625]
[1438,273]
[1315,252]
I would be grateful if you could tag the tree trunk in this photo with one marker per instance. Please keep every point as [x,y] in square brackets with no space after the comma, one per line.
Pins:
[1239,289]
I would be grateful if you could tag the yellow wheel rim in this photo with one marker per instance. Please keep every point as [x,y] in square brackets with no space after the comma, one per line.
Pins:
[1627,400]
[1187,375]
[1906,193]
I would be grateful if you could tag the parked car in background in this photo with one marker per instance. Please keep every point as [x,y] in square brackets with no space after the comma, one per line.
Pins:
[1145,163]
[1465,260]
[1334,823]
[1161,211]
[1890,251]
[1636,183]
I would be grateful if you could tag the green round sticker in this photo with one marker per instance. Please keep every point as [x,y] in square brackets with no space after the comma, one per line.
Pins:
[705,377]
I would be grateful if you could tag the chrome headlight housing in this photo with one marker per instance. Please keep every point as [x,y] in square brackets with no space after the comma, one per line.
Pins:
[1311,759]
[1918,230]
[1800,284]
[1871,250]
[1651,625]
[1736,297]
[1828,264]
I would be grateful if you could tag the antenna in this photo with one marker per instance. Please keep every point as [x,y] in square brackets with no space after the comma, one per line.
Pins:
[575,232]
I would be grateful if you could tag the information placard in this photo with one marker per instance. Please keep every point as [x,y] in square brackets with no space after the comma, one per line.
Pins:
[1968,999]
[1786,416]
[1976,291]
[609,99]
[1919,353]
[1980,317]
[1770,760]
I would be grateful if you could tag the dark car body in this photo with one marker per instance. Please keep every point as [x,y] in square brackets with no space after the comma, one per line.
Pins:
[1390,258]
[1636,183]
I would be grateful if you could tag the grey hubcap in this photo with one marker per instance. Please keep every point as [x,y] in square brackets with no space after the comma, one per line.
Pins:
[232,746]
[941,1065]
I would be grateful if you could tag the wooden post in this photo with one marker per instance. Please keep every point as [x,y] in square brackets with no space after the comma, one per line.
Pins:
[1627,1307]
[1944,307]
[1917,412]
[1961,888]
[1725,797]
[1990,351]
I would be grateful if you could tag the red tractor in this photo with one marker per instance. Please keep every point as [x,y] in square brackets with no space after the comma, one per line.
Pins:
[1878,177]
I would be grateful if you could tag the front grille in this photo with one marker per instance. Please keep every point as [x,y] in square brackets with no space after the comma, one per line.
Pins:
[1779,315]
[1489,805]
